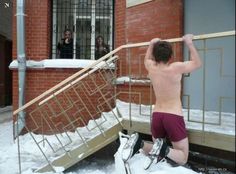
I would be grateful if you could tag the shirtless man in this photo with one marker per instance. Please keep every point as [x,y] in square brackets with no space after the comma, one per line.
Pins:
[167,117]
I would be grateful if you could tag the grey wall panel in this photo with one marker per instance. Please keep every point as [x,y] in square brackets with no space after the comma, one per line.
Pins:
[213,86]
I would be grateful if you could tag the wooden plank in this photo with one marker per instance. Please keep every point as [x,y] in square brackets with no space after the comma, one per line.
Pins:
[197,37]
[212,139]
[139,126]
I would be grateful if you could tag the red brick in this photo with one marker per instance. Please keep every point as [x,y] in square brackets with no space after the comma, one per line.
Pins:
[140,23]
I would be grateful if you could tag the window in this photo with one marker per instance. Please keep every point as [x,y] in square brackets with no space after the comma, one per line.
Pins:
[86,19]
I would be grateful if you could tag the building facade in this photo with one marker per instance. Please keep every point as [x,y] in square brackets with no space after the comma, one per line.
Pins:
[128,22]
[119,22]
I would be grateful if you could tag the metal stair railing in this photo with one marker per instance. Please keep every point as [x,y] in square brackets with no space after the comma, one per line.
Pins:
[106,57]
[84,106]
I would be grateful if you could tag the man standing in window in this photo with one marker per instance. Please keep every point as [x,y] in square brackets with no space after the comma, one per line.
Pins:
[66,47]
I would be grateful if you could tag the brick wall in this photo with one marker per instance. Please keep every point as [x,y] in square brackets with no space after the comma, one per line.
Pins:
[120,35]
[37,29]
[140,93]
[38,81]
[135,24]
[162,19]
[141,23]
[80,103]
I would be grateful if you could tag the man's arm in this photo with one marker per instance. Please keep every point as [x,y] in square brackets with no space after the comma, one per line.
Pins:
[148,60]
[194,56]
[194,62]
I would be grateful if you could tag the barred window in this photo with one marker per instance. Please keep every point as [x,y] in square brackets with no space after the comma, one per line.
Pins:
[76,26]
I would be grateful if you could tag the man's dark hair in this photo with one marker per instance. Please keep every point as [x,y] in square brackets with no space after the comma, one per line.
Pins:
[162,51]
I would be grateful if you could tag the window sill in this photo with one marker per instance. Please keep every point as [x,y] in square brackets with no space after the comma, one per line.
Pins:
[57,63]
[125,80]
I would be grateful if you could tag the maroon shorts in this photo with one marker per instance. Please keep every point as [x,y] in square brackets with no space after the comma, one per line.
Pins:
[168,125]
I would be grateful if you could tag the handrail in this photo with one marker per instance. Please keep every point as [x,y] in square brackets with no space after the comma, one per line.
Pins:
[197,37]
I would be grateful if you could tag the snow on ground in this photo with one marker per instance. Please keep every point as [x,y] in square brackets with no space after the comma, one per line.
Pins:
[31,158]
[136,166]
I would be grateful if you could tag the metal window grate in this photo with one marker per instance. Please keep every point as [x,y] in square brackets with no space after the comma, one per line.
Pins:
[87,19]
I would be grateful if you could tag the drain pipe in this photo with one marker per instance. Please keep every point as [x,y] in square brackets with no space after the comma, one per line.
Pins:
[21,59]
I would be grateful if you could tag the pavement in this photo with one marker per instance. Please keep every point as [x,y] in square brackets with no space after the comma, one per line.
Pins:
[5,114]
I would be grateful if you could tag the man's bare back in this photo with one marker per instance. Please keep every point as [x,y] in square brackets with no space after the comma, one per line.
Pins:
[167,86]
[166,78]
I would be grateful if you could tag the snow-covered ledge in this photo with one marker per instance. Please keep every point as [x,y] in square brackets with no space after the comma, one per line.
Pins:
[126,79]
[59,63]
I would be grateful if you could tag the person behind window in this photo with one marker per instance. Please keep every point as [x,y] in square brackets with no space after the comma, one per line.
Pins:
[66,47]
[101,48]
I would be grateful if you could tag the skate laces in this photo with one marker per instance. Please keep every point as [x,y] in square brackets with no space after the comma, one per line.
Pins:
[124,135]
[153,155]
[156,148]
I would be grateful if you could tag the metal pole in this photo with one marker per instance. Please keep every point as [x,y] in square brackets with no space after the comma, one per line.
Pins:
[20,122]
[21,58]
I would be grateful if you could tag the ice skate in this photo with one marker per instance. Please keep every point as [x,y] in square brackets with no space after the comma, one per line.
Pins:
[128,149]
[153,155]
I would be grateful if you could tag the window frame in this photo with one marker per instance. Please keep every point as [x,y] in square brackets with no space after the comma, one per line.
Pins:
[55,28]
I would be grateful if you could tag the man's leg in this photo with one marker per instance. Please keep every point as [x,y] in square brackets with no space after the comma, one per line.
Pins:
[147,146]
[155,151]
[179,152]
